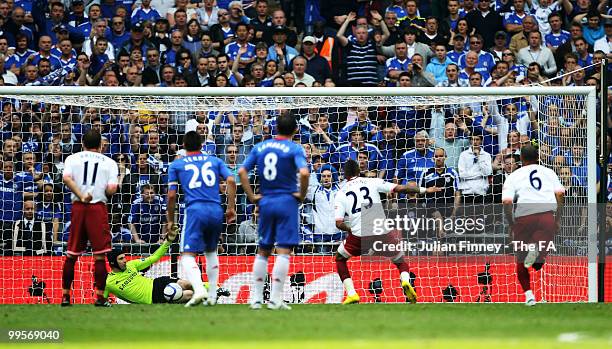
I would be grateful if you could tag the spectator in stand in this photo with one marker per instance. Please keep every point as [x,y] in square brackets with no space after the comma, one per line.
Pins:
[395,34]
[568,46]
[49,212]
[458,44]
[98,31]
[513,20]
[299,72]
[280,49]
[361,63]
[486,60]
[411,19]
[418,76]
[180,6]
[414,162]
[322,199]
[56,17]
[20,56]
[605,43]
[119,34]
[279,20]
[144,13]
[237,14]
[94,12]
[231,49]
[12,199]
[398,64]
[453,146]
[432,35]
[206,47]
[30,236]
[474,169]
[222,32]
[132,183]
[316,66]
[486,21]
[357,144]
[542,11]
[363,121]
[192,38]
[556,36]
[452,77]
[501,39]
[538,54]
[208,15]
[437,66]
[147,217]
[200,77]
[582,52]
[593,30]
[137,40]
[520,40]
[261,21]
[247,235]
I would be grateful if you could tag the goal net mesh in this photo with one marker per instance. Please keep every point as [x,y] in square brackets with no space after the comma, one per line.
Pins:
[393,138]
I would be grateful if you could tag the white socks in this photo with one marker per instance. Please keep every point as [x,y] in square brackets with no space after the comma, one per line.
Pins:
[529,295]
[260,269]
[279,275]
[349,287]
[193,274]
[212,272]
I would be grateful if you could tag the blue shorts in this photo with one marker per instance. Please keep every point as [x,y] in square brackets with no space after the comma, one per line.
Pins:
[202,227]
[279,221]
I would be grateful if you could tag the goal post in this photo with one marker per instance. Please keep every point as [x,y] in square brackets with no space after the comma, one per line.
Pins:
[129,116]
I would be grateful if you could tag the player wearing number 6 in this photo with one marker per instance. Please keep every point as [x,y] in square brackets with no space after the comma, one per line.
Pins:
[534,192]
[359,195]
[92,177]
[199,175]
[278,160]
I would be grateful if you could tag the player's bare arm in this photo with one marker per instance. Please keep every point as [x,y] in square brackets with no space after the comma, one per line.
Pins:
[304,176]
[246,186]
[409,189]
[508,207]
[111,189]
[340,224]
[230,213]
[171,205]
[71,184]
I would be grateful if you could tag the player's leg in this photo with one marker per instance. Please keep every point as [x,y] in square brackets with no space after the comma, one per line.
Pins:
[212,231]
[287,236]
[266,231]
[98,233]
[77,242]
[348,248]
[192,243]
[397,258]
[520,231]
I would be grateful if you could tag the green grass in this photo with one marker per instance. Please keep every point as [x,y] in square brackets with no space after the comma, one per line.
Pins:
[374,326]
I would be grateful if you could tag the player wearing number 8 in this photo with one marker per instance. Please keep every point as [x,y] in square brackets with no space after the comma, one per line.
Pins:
[199,175]
[277,160]
[534,192]
[92,178]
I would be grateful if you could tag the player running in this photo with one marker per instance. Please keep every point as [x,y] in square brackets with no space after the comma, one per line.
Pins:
[537,193]
[199,176]
[278,160]
[92,179]
[356,194]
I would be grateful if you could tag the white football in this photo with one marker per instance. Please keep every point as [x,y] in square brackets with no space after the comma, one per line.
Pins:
[173,292]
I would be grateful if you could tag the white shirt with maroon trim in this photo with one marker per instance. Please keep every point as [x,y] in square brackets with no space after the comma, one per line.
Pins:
[93,173]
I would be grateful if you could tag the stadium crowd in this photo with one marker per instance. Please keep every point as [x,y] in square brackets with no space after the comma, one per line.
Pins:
[467,149]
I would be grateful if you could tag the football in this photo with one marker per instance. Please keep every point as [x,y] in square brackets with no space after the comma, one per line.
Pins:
[173,292]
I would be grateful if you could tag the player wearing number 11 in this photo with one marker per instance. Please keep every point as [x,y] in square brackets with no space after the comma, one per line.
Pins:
[278,161]
[199,175]
[92,177]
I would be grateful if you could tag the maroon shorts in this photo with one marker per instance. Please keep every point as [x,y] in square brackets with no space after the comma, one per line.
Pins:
[538,228]
[89,222]
[358,246]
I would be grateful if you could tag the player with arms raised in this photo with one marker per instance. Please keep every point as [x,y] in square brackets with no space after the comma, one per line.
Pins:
[278,160]
[534,192]
[92,178]
[199,175]
[357,193]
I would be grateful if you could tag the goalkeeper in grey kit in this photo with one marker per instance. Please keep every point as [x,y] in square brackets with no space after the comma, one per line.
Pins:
[127,283]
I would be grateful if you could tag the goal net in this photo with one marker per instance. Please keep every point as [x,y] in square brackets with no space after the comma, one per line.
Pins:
[393,133]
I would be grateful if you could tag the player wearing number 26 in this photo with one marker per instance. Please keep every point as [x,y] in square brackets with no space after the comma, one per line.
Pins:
[278,161]
[534,193]
[199,175]
[92,178]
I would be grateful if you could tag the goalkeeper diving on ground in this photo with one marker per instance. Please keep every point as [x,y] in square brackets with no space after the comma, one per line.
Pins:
[127,282]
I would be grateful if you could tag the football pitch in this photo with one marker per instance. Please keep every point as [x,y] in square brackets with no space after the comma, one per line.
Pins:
[419,326]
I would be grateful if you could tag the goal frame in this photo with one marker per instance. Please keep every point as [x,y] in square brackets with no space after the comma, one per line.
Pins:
[589,92]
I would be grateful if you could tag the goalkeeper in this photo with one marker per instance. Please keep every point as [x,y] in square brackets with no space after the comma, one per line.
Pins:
[126,281]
